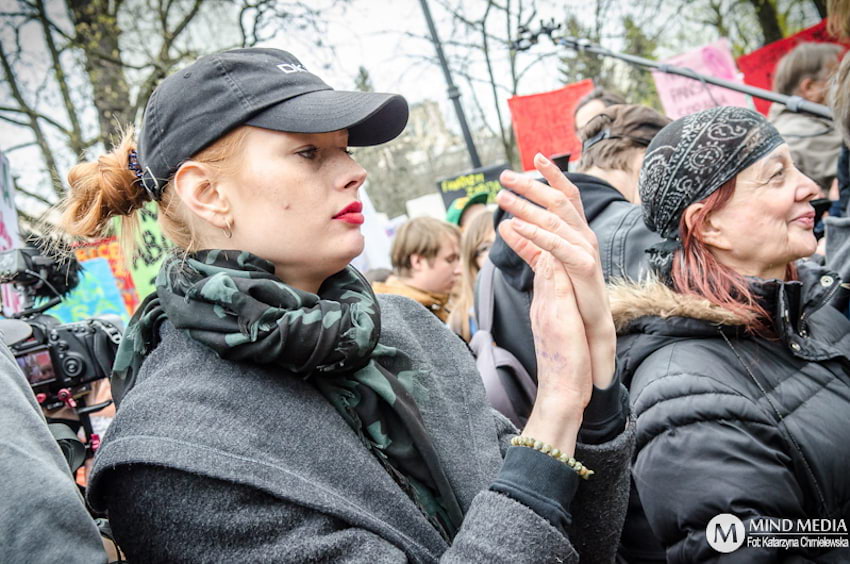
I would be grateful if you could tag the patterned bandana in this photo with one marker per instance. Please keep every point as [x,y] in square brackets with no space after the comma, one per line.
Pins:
[691,158]
[233,303]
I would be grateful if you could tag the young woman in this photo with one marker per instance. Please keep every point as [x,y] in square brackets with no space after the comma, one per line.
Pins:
[739,365]
[272,409]
[475,245]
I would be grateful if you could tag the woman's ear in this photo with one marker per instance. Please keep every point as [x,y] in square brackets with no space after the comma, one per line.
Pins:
[195,187]
[710,233]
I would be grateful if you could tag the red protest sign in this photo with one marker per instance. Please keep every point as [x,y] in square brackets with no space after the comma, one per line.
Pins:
[759,65]
[544,122]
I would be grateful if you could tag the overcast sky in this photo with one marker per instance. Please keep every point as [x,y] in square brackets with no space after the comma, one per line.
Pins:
[372,33]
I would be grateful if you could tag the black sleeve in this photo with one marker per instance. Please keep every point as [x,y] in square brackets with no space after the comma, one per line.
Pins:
[606,414]
[538,481]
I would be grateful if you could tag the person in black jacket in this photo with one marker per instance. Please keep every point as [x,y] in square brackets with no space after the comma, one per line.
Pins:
[738,369]
[614,145]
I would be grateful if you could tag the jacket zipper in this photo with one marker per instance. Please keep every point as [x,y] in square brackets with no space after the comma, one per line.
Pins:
[823,302]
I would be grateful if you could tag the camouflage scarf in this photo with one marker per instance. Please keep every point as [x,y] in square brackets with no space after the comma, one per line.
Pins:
[233,303]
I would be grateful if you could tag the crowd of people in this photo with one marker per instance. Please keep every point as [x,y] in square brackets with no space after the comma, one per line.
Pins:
[686,337]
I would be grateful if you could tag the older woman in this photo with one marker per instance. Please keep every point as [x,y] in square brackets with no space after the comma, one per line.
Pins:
[272,408]
[737,364]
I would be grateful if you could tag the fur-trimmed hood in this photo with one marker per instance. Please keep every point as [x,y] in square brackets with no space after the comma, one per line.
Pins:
[630,301]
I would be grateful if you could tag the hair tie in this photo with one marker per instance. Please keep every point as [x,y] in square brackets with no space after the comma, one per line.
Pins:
[601,136]
[133,160]
[151,185]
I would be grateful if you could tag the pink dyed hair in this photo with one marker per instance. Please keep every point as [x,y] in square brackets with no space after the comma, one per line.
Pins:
[697,272]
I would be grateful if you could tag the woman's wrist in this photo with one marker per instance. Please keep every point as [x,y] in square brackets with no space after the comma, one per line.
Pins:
[556,423]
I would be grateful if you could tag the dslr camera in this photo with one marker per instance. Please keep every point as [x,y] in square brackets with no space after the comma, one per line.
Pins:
[60,360]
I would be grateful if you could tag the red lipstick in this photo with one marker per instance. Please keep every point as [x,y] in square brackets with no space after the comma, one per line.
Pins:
[352,213]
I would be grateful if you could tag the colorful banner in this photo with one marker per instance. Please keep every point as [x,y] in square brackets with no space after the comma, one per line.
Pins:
[681,96]
[96,294]
[544,122]
[9,234]
[484,179]
[110,249]
[152,247]
[759,65]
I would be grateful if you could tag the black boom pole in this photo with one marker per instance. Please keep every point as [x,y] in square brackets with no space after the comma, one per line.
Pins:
[793,103]
[454,93]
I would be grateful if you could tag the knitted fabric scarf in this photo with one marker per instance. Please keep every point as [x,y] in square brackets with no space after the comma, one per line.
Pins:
[233,303]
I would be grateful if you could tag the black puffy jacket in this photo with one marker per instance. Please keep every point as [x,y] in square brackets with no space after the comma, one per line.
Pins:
[730,423]
[622,235]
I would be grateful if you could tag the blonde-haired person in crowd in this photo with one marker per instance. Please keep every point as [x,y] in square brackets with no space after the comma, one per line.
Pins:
[474,247]
[815,142]
[838,24]
[271,408]
[426,264]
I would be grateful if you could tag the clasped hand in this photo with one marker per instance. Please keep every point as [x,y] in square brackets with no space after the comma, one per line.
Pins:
[574,334]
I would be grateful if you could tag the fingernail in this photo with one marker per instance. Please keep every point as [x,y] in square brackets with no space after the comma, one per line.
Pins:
[542,159]
[508,175]
[520,224]
[506,196]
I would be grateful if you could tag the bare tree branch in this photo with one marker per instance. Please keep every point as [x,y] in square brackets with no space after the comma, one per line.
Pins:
[14,121]
[75,135]
[41,139]
[164,61]
[34,196]
[18,146]
[26,217]
[29,111]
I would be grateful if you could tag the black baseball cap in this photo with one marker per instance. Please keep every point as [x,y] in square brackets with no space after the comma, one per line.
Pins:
[266,88]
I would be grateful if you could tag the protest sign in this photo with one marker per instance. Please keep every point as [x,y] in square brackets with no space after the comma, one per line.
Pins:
[96,294]
[758,66]
[484,179]
[9,235]
[110,249]
[151,248]
[681,96]
[543,122]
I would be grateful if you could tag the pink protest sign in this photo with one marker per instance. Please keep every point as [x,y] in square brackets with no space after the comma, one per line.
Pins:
[682,96]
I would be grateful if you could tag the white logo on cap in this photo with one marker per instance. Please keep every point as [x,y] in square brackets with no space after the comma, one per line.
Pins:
[290,68]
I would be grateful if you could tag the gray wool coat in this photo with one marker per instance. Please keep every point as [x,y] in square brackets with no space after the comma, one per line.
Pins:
[219,461]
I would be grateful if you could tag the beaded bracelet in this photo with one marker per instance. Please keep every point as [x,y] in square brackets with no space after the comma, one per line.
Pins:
[583,471]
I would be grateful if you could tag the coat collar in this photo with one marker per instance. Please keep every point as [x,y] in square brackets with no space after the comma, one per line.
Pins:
[652,307]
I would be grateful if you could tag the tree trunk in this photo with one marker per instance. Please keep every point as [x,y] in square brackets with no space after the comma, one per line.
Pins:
[96,33]
[768,20]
